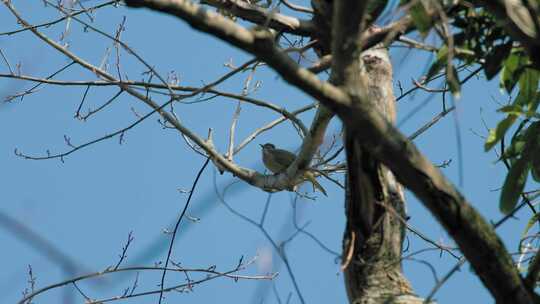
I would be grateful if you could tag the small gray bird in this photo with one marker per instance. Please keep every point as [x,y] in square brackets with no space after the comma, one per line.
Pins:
[278,160]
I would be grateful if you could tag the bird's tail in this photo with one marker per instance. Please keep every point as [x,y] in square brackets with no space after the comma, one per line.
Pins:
[309,176]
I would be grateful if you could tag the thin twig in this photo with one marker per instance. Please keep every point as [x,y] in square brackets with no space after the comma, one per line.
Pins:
[269,126]
[178,225]
[212,272]
[279,250]
[296,7]
[6,61]
[232,131]
[31,90]
[47,24]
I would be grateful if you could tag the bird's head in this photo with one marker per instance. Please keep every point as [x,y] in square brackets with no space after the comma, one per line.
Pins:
[268,146]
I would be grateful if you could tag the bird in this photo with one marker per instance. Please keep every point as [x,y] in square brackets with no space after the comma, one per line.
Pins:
[278,160]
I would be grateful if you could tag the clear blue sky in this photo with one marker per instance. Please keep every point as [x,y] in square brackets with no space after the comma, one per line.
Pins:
[87,205]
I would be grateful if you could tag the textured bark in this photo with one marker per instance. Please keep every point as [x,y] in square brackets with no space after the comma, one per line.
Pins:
[473,234]
[374,202]
[375,205]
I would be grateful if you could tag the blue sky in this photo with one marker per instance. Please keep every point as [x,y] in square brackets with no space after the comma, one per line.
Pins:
[87,205]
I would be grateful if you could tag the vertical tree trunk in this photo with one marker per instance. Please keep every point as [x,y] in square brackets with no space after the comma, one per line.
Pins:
[375,205]
[374,201]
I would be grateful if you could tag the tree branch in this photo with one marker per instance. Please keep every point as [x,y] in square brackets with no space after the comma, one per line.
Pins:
[264,17]
[472,233]
[269,183]
[519,23]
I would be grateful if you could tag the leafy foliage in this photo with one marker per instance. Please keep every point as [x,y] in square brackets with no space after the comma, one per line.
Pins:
[524,151]
[525,157]
[421,17]
[478,39]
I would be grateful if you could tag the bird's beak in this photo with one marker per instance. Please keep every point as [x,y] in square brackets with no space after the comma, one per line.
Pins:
[261,146]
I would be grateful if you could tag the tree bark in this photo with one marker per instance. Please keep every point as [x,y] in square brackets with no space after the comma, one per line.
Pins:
[374,133]
[374,201]
[374,204]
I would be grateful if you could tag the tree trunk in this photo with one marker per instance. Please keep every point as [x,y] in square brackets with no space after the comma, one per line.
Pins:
[374,201]
[375,205]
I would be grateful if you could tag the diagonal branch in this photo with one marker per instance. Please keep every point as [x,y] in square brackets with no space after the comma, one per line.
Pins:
[473,234]
[268,183]
[262,16]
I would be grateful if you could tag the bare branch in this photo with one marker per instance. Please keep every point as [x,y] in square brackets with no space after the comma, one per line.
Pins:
[261,16]
[6,61]
[269,126]
[213,274]
[280,251]
[47,24]
[178,225]
[123,255]
[474,236]
[232,131]
[296,7]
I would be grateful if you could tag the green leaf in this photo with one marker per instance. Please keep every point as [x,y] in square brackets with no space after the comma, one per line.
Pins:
[530,223]
[519,14]
[519,170]
[514,184]
[440,62]
[495,135]
[516,147]
[421,18]
[533,140]
[453,81]
[533,105]
[524,141]
[528,85]
[512,69]
[511,109]
[535,165]
[495,58]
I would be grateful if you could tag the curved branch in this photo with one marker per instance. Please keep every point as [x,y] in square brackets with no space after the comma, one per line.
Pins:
[264,17]
[473,234]
[296,7]
[268,183]
[212,274]
[146,85]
